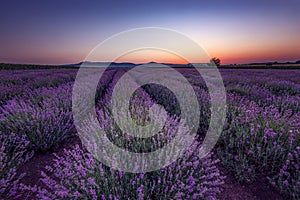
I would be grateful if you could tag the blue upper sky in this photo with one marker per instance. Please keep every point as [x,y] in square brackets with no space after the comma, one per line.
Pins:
[54,31]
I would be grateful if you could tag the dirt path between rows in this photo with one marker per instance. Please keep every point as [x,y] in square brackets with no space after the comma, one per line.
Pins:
[37,164]
[259,189]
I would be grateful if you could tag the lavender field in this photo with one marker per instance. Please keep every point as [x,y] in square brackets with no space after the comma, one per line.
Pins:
[42,157]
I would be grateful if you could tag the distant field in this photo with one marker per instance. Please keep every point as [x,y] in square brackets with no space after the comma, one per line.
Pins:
[4,66]
[286,66]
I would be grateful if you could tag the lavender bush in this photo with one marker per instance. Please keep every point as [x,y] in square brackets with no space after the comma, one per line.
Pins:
[13,154]
[261,140]
[261,136]
[78,176]
[44,122]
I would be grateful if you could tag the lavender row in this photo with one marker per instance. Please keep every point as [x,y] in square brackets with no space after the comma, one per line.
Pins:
[262,140]
[262,131]
[77,175]
[37,120]
[19,82]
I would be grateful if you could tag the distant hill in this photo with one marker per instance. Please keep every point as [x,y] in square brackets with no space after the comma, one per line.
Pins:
[128,64]
[102,64]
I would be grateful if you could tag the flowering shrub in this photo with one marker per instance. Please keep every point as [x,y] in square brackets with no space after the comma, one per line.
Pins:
[259,140]
[45,123]
[288,179]
[12,154]
[77,175]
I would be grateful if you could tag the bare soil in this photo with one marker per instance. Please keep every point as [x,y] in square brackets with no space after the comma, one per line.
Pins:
[37,164]
[259,189]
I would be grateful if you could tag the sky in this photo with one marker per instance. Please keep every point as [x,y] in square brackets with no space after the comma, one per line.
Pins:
[236,31]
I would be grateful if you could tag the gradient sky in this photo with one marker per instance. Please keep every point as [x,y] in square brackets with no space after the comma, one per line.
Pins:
[237,31]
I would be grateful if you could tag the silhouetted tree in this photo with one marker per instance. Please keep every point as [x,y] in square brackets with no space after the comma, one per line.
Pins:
[215,61]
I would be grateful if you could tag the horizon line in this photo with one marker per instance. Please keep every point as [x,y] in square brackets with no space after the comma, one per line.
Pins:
[141,63]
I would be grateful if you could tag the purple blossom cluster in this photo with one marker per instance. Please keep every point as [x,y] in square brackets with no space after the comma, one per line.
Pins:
[77,175]
[18,82]
[262,132]
[45,117]
[262,124]
[288,178]
[13,154]
[34,115]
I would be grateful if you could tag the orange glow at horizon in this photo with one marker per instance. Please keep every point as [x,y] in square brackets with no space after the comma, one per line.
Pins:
[230,50]
[226,56]
[151,55]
